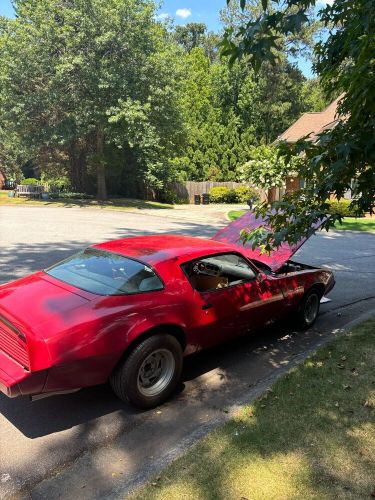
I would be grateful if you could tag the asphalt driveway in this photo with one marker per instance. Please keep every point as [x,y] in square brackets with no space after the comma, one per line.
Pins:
[89,444]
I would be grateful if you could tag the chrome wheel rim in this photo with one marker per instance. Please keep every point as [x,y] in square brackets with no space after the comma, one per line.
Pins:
[156,372]
[311,308]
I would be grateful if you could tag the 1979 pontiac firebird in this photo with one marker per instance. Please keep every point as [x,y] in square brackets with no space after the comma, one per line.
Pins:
[128,311]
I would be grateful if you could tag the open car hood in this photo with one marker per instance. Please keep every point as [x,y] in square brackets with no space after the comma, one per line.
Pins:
[231,234]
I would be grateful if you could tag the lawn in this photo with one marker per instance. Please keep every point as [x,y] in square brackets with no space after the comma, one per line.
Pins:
[353,224]
[235,214]
[349,223]
[114,203]
[311,436]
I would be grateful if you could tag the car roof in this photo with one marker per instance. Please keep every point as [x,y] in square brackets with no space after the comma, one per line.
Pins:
[162,247]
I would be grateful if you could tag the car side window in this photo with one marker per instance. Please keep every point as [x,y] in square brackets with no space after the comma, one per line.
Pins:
[218,271]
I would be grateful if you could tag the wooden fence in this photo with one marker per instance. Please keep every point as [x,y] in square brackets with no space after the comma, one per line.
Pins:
[187,190]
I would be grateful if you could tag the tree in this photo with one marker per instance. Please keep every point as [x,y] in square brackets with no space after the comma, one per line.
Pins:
[238,15]
[281,85]
[224,112]
[313,96]
[194,35]
[12,155]
[217,135]
[93,82]
[280,99]
[190,35]
[344,156]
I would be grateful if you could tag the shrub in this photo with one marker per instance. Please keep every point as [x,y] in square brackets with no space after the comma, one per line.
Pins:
[169,195]
[218,194]
[343,208]
[58,184]
[31,181]
[222,194]
[244,193]
[74,196]
[231,197]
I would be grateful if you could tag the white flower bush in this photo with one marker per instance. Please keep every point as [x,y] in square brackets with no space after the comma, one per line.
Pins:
[266,169]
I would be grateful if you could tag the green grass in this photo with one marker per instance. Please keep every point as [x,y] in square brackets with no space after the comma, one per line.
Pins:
[361,224]
[349,223]
[312,436]
[235,214]
[113,203]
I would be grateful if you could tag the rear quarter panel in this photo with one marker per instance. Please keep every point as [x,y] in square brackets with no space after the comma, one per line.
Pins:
[86,351]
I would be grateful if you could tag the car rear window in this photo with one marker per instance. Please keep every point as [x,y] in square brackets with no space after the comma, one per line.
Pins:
[106,273]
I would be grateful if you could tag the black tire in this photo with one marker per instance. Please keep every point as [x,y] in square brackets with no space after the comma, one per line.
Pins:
[137,380]
[308,309]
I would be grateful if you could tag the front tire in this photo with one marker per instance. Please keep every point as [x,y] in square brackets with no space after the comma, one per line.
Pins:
[308,310]
[150,373]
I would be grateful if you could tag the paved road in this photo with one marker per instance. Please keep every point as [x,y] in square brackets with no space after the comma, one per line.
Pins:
[90,445]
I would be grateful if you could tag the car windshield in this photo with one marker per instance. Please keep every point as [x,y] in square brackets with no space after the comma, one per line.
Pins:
[106,273]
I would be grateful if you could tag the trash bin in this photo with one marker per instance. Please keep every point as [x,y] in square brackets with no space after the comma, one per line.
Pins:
[9,184]
[250,202]
[205,198]
[197,199]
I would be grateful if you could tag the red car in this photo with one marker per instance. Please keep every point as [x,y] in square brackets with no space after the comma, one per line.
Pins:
[129,310]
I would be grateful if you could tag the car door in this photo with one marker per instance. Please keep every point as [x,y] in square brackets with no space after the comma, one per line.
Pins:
[231,297]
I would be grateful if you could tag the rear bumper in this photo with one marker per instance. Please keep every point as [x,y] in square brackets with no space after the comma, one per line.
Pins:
[8,385]
[16,381]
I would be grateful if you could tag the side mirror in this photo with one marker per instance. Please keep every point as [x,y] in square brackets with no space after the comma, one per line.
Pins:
[261,277]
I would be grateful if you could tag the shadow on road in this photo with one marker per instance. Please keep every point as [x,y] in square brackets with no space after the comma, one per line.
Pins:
[59,413]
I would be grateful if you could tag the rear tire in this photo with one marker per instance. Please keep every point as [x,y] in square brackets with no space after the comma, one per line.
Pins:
[308,310]
[151,372]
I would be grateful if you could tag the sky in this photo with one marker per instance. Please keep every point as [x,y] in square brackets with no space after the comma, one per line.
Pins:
[185,11]
[6,8]
[194,11]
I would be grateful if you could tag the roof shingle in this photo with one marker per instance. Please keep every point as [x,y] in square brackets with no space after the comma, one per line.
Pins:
[310,124]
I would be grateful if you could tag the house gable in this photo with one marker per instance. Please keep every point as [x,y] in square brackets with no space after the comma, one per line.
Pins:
[311,124]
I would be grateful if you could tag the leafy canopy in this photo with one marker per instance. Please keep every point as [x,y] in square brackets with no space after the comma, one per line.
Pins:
[91,79]
[106,95]
[344,156]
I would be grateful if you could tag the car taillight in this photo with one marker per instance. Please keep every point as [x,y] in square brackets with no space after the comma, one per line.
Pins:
[13,343]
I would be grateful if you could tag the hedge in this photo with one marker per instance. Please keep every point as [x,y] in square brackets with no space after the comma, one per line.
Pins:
[222,194]
[343,208]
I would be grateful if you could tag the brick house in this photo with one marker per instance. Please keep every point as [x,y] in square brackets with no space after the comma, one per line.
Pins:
[309,124]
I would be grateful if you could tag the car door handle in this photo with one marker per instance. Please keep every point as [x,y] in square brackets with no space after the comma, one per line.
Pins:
[207,306]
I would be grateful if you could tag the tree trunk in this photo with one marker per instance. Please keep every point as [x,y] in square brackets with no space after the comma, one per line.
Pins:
[78,168]
[100,167]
